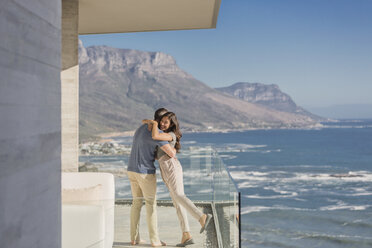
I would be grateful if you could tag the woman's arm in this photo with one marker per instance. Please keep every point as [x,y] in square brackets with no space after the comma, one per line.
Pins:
[155,131]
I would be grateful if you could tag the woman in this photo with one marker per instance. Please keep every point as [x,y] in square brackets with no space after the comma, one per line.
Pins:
[171,172]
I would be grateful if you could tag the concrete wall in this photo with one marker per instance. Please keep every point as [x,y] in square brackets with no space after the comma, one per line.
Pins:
[30,123]
[70,85]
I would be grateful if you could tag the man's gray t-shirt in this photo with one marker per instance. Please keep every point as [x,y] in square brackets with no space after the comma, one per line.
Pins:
[142,155]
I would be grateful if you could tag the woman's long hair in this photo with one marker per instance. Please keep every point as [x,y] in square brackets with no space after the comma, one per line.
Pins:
[174,127]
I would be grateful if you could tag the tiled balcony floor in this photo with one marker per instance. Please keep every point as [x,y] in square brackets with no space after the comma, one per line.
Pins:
[168,227]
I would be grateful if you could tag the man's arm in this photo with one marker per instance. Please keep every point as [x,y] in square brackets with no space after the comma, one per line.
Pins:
[169,150]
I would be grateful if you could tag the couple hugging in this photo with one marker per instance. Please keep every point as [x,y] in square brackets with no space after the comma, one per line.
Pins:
[149,143]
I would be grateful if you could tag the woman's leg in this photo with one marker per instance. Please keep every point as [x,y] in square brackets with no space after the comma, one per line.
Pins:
[182,215]
[181,211]
[173,176]
[184,221]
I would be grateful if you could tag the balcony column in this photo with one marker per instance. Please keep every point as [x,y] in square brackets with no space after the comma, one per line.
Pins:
[70,85]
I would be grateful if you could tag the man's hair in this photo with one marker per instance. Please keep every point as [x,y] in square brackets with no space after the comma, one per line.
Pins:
[159,113]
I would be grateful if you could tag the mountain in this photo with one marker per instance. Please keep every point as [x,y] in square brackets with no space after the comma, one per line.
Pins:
[268,95]
[120,87]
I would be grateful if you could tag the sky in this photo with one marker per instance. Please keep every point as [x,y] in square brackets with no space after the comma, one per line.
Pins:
[317,51]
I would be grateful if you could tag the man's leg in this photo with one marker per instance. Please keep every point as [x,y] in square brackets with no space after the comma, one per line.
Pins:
[135,210]
[147,183]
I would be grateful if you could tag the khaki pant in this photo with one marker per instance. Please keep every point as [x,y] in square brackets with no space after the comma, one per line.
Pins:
[171,172]
[143,187]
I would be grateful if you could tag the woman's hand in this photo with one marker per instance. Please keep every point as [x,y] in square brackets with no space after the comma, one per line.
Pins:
[146,121]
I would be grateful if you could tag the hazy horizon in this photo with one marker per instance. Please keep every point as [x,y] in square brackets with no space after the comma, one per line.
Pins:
[346,111]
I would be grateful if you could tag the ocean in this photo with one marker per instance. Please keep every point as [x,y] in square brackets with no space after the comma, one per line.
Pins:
[299,188]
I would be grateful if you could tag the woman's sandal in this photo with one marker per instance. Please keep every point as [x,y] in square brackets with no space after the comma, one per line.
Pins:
[190,241]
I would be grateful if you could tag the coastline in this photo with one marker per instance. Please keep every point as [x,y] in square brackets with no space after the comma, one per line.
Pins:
[107,137]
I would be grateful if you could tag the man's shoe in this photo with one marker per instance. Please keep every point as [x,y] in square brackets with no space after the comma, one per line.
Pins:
[187,242]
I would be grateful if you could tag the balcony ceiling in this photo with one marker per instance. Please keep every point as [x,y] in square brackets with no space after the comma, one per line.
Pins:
[122,16]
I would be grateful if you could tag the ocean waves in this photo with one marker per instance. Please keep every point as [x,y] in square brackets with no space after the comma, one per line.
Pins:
[302,188]
[253,209]
[338,240]
[305,206]
[340,205]
[288,227]
[289,177]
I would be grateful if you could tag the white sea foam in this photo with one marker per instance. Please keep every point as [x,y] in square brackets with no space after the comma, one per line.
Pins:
[242,175]
[340,205]
[338,238]
[235,167]
[268,151]
[300,166]
[352,176]
[189,142]
[205,191]
[271,196]
[196,150]
[326,178]
[243,146]
[280,194]
[200,156]
[246,185]
[239,147]
[361,192]
[226,157]
[252,209]
[248,179]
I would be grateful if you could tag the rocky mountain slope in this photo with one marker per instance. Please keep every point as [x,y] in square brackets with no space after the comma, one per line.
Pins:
[268,95]
[120,87]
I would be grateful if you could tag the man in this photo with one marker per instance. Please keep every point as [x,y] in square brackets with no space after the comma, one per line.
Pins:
[142,177]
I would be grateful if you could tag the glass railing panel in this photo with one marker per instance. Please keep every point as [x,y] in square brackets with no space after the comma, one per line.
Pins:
[197,165]
[207,182]
[226,203]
